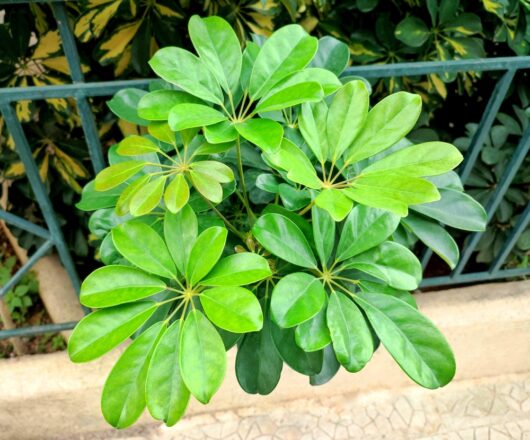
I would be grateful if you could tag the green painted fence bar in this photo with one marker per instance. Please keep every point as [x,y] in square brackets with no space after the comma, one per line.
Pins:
[81,92]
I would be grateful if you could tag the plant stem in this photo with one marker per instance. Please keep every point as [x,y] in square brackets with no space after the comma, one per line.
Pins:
[242,179]
[307,208]
[224,219]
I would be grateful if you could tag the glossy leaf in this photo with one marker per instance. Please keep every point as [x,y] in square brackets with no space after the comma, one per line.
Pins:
[202,357]
[101,331]
[91,199]
[296,298]
[147,197]
[166,393]
[134,145]
[332,55]
[290,96]
[313,334]
[376,287]
[155,106]
[209,187]
[364,229]
[238,270]
[180,232]
[205,253]
[221,132]
[323,233]
[352,340]
[412,31]
[124,104]
[283,238]
[235,309]
[177,194]
[113,285]
[335,203]
[114,175]
[330,367]
[123,397]
[143,247]
[265,133]
[313,126]
[216,170]
[412,339]
[249,57]
[184,116]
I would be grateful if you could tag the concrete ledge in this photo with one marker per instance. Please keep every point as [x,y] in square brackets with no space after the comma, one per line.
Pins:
[487,325]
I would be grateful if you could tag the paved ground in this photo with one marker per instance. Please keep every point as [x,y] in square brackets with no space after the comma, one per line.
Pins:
[486,409]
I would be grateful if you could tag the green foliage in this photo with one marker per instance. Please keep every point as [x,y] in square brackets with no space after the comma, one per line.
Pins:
[223,257]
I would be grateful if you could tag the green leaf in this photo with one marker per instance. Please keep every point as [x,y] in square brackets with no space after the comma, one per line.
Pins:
[456,209]
[435,237]
[123,397]
[218,47]
[210,188]
[238,270]
[147,197]
[205,253]
[412,31]
[202,357]
[143,247]
[286,51]
[180,232]
[334,202]
[299,360]
[390,262]
[290,96]
[394,192]
[427,159]
[296,298]
[101,331]
[387,123]
[466,24]
[91,199]
[155,106]
[327,80]
[364,229]
[166,394]
[403,295]
[114,175]
[332,55]
[184,116]
[413,341]
[346,117]
[293,198]
[351,336]
[330,367]
[283,238]
[258,365]
[313,334]
[177,194]
[124,104]
[313,126]
[134,145]
[182,68]
[221,132]
[113,285]
[216,170]
[235,309]
[249,57]
[265,133]
[323,233]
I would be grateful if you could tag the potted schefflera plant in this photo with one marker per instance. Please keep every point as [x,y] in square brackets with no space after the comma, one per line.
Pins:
[266,208]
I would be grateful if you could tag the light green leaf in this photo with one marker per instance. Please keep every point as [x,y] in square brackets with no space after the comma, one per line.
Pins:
[286,51]
[147,197]
[364,229]
[114,175]
[334,202]
[166,394]
[216,170]
[265,133]
[218,47]
[387,123]
[390,262]
[134,145]
[413,341]
[283,238]
[379,288]
[296,298]
[427,159]
[202,357]
[323,233]
[313,126]
[238,270]
[435,237]
[182,68]
[210,188]
[180,232]
[143,247]
[249,57]
[350,334]
[221,132]
[101,331]
[122,205]
[205,253]
[289,96]
[155,106]
[328,81]
[346,117]
[113,285]
[235,309]
[183,116]
[456,209]
[313,334]
[177,194]
[332,55]
[123,397]
[124,104]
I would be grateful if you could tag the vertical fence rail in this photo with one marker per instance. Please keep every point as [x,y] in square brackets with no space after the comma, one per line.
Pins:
[82,91]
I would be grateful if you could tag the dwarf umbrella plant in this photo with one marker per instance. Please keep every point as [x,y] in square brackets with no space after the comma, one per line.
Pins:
[265,207]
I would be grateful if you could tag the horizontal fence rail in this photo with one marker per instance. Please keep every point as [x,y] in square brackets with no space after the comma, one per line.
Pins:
[81,91]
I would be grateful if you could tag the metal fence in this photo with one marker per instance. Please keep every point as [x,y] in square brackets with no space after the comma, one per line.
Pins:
[81,91]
